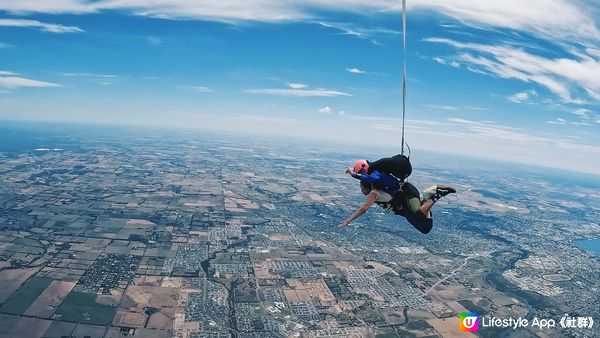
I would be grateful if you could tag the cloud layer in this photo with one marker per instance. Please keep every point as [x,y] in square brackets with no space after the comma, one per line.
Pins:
[13,82]
[561,76]
[298,90]
[46,27]
[551,18]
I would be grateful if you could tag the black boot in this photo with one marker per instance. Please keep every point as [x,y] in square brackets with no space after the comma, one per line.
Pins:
[441,191]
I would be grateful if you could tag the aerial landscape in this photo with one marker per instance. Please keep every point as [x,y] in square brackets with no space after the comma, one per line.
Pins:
[108,236]
[240,169]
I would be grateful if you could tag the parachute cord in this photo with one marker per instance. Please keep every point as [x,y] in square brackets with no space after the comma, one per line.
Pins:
[404,70]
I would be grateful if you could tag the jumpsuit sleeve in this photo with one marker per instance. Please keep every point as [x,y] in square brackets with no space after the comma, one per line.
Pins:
[372,178]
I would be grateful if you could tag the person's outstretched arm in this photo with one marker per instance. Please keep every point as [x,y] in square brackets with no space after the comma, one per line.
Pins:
[371,198]
[369,178]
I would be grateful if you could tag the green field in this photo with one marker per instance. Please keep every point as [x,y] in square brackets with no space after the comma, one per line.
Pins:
[82,307]
[22,299]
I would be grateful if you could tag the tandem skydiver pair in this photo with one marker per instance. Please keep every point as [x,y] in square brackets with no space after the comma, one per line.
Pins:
[383,183]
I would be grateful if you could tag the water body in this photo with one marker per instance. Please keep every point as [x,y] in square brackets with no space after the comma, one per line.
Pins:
[592,245]
[17,138]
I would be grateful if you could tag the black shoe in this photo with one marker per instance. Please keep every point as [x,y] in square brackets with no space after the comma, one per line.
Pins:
[443,190]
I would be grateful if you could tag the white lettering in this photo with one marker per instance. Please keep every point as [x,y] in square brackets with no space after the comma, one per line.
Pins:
[543,323]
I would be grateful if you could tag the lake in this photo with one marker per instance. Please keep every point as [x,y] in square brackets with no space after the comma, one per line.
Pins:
[592,245]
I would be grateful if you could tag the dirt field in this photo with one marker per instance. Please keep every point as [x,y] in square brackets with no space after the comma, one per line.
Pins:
[30,327]
[449,328]
[137,298]
[90,331]
[160,320]
[147,280]
[279,237]
[60,329]
[11,280]
[126,318]
[115,332]
[46,303]
[171,282]
[449,292]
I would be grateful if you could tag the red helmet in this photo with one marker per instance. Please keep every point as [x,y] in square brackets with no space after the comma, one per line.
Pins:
[361,167]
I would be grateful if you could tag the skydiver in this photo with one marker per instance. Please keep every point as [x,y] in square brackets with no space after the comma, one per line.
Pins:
[402,200]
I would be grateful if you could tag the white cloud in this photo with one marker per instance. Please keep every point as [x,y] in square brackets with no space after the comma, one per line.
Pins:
[557,121]
[493,131]
[445,62]
[52,7]
[561,76]
[358,32]
[202,89]
[46,27]
[355,71]
[325,110]
[561,121]
[298,90]
[475,108]
[13,82]
[108,76]
[561,19]
[341,113]
[522,97]
[442,107]
[552,19]
[582,112]
[5,72]
[297,85]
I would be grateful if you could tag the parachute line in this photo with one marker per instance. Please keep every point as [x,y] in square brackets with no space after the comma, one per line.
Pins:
[404,70]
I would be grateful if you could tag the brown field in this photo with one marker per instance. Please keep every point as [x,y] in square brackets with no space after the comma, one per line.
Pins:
[304,290]
[91,331]
[449,328]
[30,327]
[456,307]
[110,300]
[171,282]
[279,237]
[126,318]
[296,295]
[11,280]
[136,298]
[449,292]
[60,329]
[61,274]
[115,332]
[47,302]
[160,320]
[148,280]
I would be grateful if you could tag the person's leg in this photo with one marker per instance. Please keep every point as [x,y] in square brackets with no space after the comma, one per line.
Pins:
[435,192]
[420,222]
[431,195]
[426,207]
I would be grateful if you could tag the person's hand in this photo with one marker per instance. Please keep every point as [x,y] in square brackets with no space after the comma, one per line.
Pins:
[344,224]
[348,170]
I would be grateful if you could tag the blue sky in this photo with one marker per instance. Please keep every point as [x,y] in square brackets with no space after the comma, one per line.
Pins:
[501,80]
